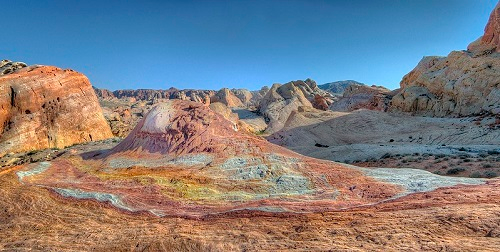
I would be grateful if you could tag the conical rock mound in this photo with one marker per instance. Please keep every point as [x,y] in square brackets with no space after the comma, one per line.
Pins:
[179,127]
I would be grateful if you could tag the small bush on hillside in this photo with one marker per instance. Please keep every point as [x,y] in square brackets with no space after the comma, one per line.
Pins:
[493,152]
[456,170]
[475,175]
[490,174]
[483,155]
[487,165]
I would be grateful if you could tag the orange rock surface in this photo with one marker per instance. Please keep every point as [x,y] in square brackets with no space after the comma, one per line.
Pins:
[451,219]
[186,180]
[48,107]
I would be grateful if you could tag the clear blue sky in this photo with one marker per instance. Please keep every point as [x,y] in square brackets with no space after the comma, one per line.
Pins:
[247,44]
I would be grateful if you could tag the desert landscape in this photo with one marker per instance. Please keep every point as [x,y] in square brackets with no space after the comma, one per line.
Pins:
[340,166]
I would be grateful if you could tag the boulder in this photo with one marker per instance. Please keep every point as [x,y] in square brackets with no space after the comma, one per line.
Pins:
[48,107]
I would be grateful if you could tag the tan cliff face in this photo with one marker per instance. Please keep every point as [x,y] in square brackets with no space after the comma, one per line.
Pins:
[48,107]
[464,83]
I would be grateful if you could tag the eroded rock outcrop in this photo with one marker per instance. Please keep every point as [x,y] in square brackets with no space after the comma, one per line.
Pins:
[48,107]
[228,98]
[281,100]
[7,66]
[490,41]
[363,97]
[457,85]
[244,95]
[464,83]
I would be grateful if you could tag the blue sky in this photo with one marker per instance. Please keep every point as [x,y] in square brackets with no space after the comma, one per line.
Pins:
[241,44]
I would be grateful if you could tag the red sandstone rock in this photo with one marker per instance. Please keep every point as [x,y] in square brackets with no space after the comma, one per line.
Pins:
[179,127]
[320,102]
[491,38]
[47,107]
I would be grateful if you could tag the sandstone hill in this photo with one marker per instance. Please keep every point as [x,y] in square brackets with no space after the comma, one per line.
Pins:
[47,107]
[229,98]
[464,83]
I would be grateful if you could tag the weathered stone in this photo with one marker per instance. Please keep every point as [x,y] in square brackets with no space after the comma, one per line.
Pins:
[8,67]
[464,83]
[281,100]
[47,107]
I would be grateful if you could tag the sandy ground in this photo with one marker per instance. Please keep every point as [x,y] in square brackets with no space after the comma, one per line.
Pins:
[364,135]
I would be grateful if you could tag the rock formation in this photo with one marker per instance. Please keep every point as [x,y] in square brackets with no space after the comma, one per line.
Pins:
[156,96]
[178,127]
[233,191]
[47,107]
[227,113]
[228,98]
[363,97]
[257,96]
[7,66]
[464,83]
[281,100]
[274,104]
[244,96]
[490,41]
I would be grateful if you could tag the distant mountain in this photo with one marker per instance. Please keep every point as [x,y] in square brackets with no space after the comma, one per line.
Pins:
[338,87]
